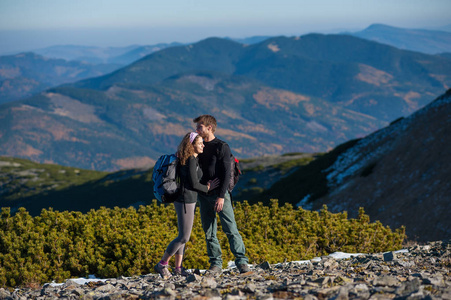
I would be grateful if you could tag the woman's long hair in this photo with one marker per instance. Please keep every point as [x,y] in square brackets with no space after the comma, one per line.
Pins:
[186,148]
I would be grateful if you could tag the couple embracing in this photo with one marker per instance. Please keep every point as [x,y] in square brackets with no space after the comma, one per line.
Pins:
[205,169]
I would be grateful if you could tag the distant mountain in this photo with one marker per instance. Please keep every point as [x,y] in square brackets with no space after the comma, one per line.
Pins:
[443,28]
[367,77]
[25,74]
[280,95]
[126,127]
[400,174]
[138,53]
[102,55]
[93,55]
[420,40]
[251,40]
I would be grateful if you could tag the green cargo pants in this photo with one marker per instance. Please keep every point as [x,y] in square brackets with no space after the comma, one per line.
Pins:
[209,224]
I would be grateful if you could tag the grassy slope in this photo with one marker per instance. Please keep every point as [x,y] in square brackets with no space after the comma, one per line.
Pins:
[35,186]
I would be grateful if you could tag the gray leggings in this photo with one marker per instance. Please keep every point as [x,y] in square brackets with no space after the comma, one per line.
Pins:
[185,223]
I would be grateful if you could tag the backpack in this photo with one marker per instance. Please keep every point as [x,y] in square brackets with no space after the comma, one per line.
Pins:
[166,179]
[235,173]
[235,170]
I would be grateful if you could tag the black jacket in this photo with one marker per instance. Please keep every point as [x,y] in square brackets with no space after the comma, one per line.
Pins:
[215,163]
[190,175]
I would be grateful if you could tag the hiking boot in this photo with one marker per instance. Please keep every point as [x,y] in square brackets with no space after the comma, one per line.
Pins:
[181,272]
[214,271]
[162,270]
[243,268]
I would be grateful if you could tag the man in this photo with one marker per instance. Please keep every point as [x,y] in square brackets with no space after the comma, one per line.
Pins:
[215,162]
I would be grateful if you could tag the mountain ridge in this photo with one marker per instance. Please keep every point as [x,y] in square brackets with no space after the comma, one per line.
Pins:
[420,40]
[269,98]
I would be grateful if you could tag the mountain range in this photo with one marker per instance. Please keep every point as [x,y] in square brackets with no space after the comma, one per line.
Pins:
[23,75]
[102,55]
[280,95]
[28,75]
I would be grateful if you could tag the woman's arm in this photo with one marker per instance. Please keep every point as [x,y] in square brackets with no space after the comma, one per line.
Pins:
[192,176]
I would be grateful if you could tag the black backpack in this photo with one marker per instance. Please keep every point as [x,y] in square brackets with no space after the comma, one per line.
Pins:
[235,170]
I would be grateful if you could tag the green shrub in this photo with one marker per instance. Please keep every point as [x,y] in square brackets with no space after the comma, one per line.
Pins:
[113,242]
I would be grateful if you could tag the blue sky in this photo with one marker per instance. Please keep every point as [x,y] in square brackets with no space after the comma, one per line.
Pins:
[31,24]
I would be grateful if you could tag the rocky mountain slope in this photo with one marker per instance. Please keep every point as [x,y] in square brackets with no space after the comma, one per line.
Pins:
[420,272]
[399,174]
[281,95]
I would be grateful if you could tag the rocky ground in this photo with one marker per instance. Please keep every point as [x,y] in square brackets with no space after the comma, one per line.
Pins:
[422,272]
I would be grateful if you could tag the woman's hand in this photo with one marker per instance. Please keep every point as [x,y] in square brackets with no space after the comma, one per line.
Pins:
[212,184]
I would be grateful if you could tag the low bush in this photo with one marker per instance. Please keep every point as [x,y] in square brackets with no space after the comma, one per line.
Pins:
[109,243]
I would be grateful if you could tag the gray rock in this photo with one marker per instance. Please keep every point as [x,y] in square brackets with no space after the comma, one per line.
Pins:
[386,280]
[212,294]
[193,278]
[343,294]
[422,273]
[209,282]
[4,294]
[389,256]
[360,291]
[250,288]
[408,288]
[107,288]
[264,266]
[434,280]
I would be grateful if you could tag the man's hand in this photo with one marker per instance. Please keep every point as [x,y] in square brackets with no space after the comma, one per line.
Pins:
[219,204]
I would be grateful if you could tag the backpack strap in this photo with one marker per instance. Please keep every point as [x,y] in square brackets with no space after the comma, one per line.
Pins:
[220,149]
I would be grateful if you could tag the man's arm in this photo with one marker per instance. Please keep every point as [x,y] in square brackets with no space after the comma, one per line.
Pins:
[225,161]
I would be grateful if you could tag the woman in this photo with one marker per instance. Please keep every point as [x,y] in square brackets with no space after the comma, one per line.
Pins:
[190,175]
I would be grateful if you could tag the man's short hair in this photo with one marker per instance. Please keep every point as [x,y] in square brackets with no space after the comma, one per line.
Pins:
[206,120]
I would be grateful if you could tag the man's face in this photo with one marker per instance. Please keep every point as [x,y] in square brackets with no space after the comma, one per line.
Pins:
[203,130]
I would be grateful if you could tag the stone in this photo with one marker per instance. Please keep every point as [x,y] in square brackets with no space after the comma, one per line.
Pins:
[343,294]
[250,288]
[4,294]
[360,291]
[389,256]
[265,266]
[209,282]
[107,288]
[193,278]
[386,280]
[421,273]
[212,294]
[408,288]
[434,280]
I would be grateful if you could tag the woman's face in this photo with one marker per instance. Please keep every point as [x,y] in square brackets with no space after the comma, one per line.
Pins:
[198,145]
